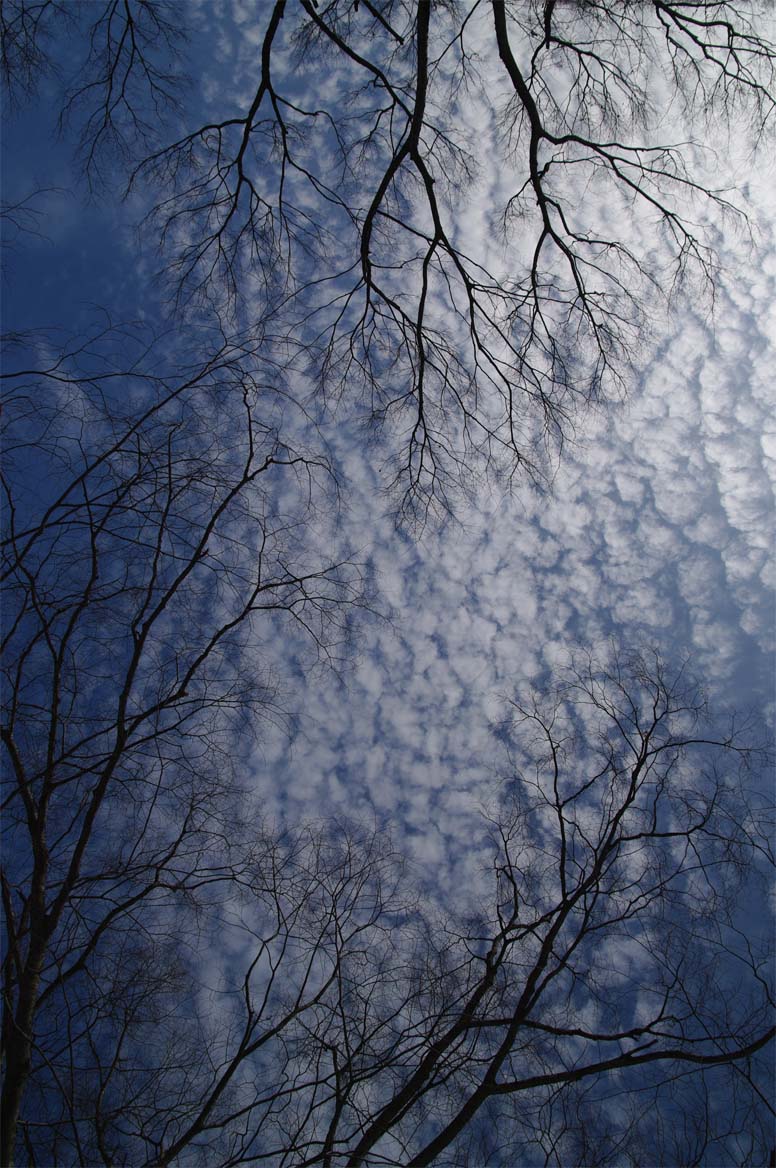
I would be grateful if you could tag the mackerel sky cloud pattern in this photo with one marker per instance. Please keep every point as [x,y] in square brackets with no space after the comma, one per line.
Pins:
[649,526]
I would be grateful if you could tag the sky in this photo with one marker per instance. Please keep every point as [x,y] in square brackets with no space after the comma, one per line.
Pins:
[654,526]
[651,529]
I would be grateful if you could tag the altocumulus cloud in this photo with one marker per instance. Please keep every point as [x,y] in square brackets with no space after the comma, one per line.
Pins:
[657,529]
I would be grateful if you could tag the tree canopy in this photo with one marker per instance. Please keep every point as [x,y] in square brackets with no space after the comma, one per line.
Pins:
[454,224]
[462,230]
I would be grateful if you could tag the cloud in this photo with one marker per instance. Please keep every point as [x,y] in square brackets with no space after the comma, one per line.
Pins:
[658,525]
[657,529]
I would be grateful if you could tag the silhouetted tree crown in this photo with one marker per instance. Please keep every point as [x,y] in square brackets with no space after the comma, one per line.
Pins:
[453,214]
[454,219]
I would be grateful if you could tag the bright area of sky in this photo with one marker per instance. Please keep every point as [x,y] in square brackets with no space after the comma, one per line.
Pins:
[658,527]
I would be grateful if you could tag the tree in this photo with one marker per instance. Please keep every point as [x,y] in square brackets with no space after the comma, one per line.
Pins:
[24,34]
[337,1022]
[479,355]
[337,218]
[151,520]
[183,982]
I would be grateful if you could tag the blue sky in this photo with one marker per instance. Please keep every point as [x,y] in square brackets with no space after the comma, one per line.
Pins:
[654,526]
[651,527]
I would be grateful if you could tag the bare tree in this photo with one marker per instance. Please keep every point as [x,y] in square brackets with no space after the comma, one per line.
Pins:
[129,83]
[25,38]
[612,942]
[120,80]
[340,214]
[184,983]
[337,1023]
[150,521]
[23,218]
